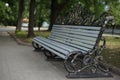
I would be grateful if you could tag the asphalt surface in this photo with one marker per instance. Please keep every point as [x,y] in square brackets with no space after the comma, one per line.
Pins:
[12,28]
[19,62]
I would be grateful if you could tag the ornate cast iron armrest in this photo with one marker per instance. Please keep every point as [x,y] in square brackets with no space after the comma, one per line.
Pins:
[98,49]
[104,42]
[103,45]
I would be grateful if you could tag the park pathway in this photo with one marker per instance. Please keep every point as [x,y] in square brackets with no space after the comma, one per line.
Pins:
[19,62]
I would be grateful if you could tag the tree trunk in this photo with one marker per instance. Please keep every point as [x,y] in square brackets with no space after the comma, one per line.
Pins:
[20,15]
[54,11]
[38,28]
[31,19]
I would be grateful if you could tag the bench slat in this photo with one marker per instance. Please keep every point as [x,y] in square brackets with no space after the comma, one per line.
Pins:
[82,49]
[77,30]
[79,27]
[54,46]
[75,42]
[62,46]
[75,33]
[76,38]
[48,48]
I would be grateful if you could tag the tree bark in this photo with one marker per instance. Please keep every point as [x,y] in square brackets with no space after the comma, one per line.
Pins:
[31,19]
[55,10]
[20,15]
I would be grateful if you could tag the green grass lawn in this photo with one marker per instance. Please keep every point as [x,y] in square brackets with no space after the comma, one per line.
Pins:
[23,35]
[111,54]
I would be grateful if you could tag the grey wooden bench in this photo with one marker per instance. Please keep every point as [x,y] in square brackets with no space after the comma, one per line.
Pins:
[78,46]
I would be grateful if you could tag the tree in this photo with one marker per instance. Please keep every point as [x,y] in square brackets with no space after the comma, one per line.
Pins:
[8,12]
[42,12]
[31,19]
[20,15]
[54,11]
[56,7]
[115,10]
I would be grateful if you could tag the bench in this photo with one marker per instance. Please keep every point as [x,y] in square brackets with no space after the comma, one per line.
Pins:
[78,46]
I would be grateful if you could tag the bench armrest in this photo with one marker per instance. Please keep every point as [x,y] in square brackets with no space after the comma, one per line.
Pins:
[104,42]
[102,46]
[98,49]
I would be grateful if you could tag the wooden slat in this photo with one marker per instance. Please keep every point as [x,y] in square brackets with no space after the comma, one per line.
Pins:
[88,44]
[76,33]
[62,46]
[76,30]
[52,45]
[74,36]
[68,43]
[75,42]
[52,50]
[79,27]
[82,49]
[74,39]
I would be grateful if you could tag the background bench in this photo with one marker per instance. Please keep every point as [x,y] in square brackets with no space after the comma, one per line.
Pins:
[78,46]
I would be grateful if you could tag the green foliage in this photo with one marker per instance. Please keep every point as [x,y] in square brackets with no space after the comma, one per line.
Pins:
[26,11]
[113,40]
[8,13]
[21,34]
[112,56]
[69,6]
[59,1]
[115,11]
[94,6]
[112,52]
[43,33]
[42,12]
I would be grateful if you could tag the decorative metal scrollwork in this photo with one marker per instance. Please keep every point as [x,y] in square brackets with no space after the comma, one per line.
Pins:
[78,63]
[49,54]
[87,60]
[36,46]
[73,63]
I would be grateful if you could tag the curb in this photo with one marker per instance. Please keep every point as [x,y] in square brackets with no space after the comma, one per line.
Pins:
[112,68]
[18,40]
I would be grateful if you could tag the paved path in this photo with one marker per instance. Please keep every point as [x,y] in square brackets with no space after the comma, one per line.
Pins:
[19,62]
[12,28]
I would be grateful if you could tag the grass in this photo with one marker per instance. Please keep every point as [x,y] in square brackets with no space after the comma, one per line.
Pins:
[111,54]
[23,35]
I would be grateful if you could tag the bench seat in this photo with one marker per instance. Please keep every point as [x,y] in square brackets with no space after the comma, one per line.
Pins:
[59,48]
[65,40]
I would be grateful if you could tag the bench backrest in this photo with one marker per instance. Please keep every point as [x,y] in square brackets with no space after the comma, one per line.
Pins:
[83,38]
